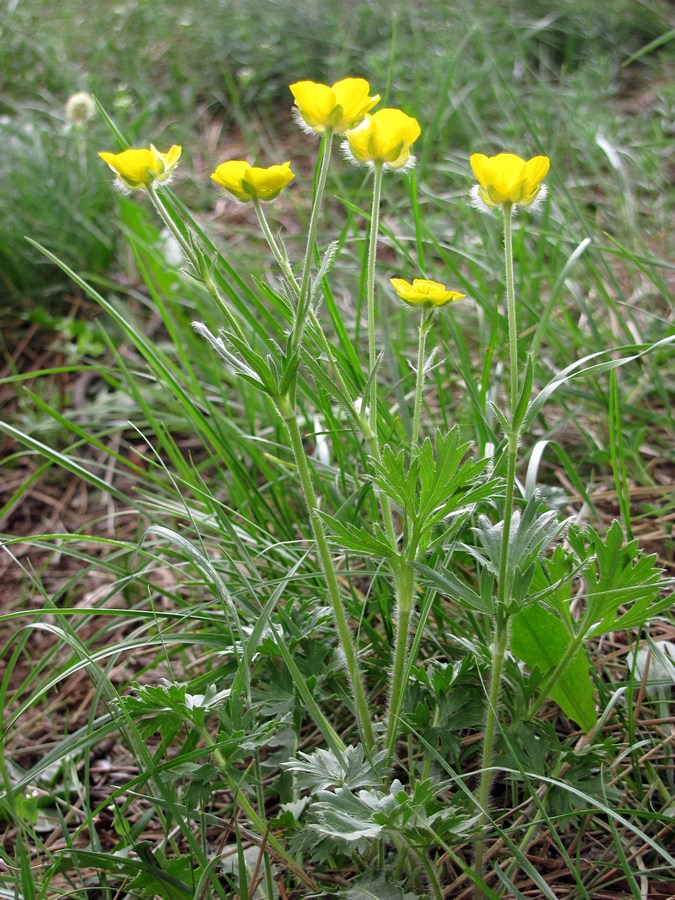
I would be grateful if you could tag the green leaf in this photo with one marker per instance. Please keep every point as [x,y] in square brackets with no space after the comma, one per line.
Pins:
[350,818]
[323,769]
[617,575]
[525,393]
[530,534]
[25,807]
[446,582]
[360,540]
[540,639]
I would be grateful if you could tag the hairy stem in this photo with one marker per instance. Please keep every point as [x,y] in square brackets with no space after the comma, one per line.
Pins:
[359,419]
[500,634]
[425,325]
[305,296]
[193,258]
[370,292]
[500,642]
[287,412]
[405,577]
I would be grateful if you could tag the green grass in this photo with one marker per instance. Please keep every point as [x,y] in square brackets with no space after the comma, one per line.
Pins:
[171,666]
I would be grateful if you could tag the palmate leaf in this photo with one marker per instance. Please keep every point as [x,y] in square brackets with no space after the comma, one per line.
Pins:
[397,479]
[357,818]
[348,818]
[366,543]
[445,581]
[539,638]
[433,483]
[530,534]
[322,769]
[617,575]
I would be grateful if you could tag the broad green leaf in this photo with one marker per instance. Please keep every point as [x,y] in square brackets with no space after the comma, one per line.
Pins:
[540,639]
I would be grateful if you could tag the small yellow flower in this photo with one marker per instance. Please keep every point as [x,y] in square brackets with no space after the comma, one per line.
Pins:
[385,138]
[339,107]
[246,182]
[429,294]
[507,178]
[138,169]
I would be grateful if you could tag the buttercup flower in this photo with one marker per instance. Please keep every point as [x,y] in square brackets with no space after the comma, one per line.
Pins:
[507,178]
[246,182]
[429,294]
[385,138]
[138,169]
[339,107]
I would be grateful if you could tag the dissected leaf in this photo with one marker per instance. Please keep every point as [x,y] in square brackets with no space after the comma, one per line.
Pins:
[617,575]
[322,769]
[367,543]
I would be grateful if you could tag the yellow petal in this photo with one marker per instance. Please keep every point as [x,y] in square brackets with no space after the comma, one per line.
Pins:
[172,157]
[315,103]
[267,183]
[385,137]
[506,178]
[231,175]
[401,286]
[424,292]
[351,97]
[140,167]
[135,167]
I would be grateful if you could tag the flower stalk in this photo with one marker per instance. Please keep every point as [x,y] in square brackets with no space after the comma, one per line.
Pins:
[425,327]
[287,412]
[305,297]
[405,578]
[370,292]
[501,622]
[192,257]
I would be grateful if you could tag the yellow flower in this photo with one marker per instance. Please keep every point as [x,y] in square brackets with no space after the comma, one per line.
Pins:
[339,107]
[429,294]
[246,182]
[138,169]
[507,178]
[385,138]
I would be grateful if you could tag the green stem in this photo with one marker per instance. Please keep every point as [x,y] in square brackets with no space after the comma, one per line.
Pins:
[511,305]
[360,420]
[287,412]
[189,252]
[431,873]
[240,797]
[369,417]
[277,252]
[500,636]
[500,642]
[305,297]
[405,577]
[370,291]
[425,325]
[260,793]
[514,434]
